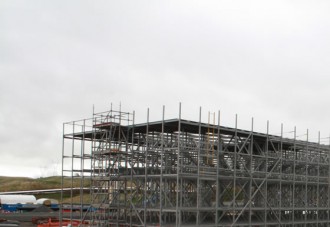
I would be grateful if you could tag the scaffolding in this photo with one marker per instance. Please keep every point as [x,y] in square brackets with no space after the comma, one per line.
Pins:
[183,173]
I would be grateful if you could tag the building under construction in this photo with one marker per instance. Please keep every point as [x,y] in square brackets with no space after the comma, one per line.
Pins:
[189,173]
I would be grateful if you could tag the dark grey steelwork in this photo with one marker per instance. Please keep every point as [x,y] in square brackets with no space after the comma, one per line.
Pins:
[184,173]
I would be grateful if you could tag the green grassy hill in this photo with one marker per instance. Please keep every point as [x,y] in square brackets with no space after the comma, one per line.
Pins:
[24,184]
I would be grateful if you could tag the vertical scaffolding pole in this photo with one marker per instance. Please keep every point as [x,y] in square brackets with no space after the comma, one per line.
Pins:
[62,177]
[72,168]
[281,172]
[178,178]
[146,171]
[131,171]
[218,169]
[250,169]
[306,180]
[82,159]
[198,167]
[266,170]
[234,213]
[294,174]
[161,184]
[318,179]
[328,184]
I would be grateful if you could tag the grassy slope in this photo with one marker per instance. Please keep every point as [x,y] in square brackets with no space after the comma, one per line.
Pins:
[24,183]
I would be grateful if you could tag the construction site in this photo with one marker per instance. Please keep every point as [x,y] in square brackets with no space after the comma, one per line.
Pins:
[177,172]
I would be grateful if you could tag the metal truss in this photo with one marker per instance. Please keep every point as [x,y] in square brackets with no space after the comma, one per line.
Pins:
[183,173]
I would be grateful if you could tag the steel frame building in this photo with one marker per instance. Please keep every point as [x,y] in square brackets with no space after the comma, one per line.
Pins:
[184,173]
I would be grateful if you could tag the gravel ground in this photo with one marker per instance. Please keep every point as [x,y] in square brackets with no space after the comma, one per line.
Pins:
[27,224]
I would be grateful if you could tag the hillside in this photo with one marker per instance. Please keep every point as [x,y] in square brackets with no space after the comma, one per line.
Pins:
[24,184]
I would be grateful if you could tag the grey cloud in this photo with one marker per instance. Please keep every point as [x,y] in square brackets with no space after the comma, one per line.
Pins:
[267,60]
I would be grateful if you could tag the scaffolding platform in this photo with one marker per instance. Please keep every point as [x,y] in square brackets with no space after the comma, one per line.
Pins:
[180,173]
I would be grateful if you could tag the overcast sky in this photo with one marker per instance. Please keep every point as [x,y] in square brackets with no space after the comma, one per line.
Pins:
[263,59]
